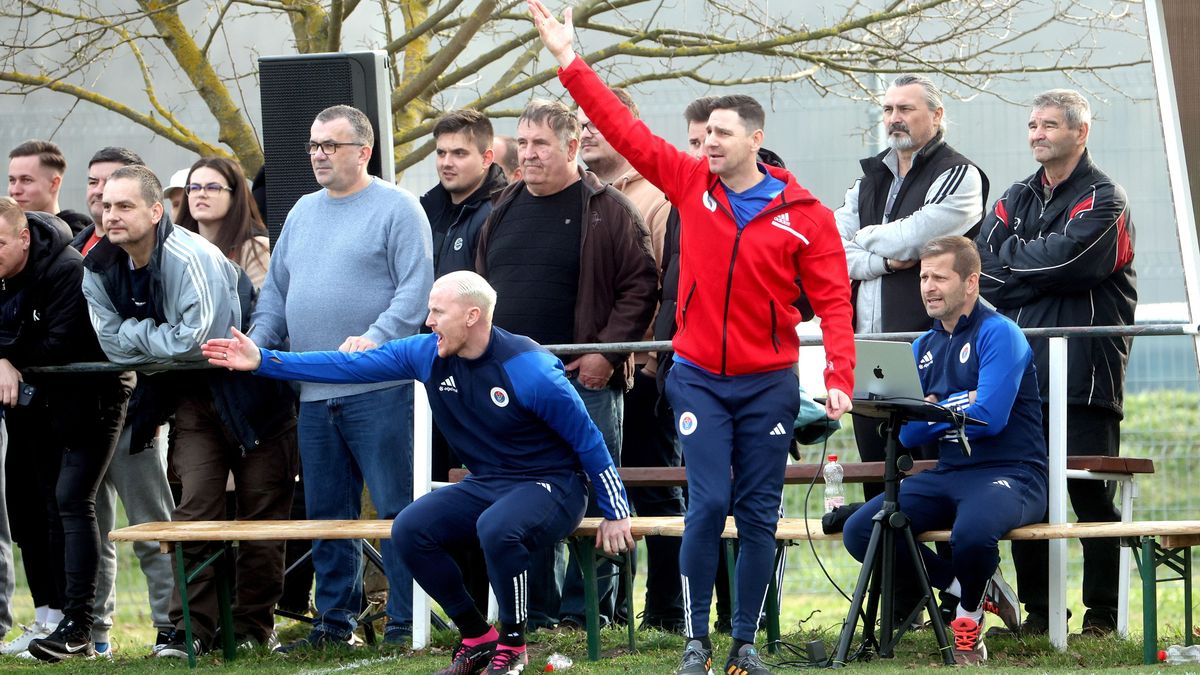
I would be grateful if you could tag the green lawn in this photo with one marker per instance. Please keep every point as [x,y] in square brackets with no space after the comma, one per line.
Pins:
[1164,426]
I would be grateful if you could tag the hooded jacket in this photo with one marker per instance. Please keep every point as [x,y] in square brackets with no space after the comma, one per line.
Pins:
[43,314]
[1066,261]
[75,220]
[197,294]
[618,282]
[737,286]
[457,249]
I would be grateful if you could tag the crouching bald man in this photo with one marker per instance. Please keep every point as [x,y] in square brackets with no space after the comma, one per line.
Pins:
[505,404]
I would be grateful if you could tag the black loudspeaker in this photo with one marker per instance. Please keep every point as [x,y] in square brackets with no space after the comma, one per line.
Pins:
[294,89]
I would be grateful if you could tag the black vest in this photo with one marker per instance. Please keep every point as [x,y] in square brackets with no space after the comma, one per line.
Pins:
[901,306]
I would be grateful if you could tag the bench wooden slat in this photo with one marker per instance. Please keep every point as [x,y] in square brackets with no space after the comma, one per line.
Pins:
[854,472]
[254,530]
[798,529]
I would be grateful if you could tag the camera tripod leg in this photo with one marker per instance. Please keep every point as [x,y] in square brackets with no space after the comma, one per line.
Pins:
[860,593]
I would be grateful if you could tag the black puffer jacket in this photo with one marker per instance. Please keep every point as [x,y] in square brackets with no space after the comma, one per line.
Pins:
[43,314]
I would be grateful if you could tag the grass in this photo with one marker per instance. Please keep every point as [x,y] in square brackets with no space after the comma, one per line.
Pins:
[1162,426]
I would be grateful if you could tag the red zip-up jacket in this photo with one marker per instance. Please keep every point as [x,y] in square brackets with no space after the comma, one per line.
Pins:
[736,287]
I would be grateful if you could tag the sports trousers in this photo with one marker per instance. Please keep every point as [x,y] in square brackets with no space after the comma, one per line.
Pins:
[977,504]
[735,432]
[508,517]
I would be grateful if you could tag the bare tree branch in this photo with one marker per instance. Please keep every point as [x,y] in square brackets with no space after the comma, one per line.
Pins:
[487,55]
[167,131]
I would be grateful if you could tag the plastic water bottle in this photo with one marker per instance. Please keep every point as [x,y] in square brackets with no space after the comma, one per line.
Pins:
[557,662]
[835,494]
[1179,654]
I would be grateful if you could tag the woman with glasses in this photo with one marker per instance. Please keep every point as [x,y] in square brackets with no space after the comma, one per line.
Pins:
[220,207]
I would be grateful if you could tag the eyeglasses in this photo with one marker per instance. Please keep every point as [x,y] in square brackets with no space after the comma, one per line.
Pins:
[590,128]
[327,147]
[215,188]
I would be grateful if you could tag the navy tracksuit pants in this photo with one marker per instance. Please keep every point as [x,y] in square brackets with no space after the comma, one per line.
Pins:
[508,517]
[735,433]
[978,504]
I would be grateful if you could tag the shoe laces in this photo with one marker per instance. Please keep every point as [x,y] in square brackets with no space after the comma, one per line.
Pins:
[749,660]
[695,656]
[966,633]
[503,658]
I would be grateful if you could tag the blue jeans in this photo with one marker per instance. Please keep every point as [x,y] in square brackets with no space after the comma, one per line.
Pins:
[344,441]
[606,407]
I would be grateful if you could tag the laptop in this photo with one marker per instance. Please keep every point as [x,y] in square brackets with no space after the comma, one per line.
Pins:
[885,370]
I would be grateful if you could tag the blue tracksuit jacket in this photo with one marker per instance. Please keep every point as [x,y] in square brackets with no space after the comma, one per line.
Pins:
[987,354]
[510,412]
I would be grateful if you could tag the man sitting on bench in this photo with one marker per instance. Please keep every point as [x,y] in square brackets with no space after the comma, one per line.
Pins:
[505,404]
[977,362]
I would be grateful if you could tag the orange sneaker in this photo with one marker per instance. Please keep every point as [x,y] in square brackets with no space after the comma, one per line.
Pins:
[969,649]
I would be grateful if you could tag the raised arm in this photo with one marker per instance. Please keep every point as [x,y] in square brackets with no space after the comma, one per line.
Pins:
[657,160]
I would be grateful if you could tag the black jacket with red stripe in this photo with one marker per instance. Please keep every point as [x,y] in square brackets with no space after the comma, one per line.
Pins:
[1066,261]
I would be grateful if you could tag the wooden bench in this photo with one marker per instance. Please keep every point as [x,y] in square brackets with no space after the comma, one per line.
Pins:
[1118,468]
[1160,544]
[228,533]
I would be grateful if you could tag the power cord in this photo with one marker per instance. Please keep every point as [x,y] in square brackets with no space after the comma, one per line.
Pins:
[803,656]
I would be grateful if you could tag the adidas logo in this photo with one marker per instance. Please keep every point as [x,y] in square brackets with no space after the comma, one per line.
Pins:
[926,361]
[782,219]
[448,385]
[778,430]
[1002,483]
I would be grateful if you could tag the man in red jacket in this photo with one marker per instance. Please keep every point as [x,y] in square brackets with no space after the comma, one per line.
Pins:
[750,233]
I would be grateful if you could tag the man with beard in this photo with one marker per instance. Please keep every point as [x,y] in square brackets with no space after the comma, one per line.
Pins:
[918,189]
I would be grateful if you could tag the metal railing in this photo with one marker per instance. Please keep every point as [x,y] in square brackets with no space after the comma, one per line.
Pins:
[1058,346]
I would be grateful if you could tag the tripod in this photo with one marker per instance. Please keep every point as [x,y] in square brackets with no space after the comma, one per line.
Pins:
[889,526]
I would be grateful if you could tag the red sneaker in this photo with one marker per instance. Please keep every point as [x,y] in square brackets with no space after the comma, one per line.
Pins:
[969,649]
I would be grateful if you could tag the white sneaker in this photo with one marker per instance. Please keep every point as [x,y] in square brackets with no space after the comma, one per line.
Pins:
[30,633]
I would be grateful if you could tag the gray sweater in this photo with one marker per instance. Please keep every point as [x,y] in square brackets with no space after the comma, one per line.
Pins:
[356,265]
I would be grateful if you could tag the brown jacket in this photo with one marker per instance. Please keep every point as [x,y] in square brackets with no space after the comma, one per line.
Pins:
[654,207]
[618,281]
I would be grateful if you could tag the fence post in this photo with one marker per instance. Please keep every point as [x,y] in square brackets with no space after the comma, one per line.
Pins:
[422,461]
[1057,497]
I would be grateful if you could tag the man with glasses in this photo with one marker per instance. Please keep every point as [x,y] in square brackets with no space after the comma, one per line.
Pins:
[351,270]
[646,441]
